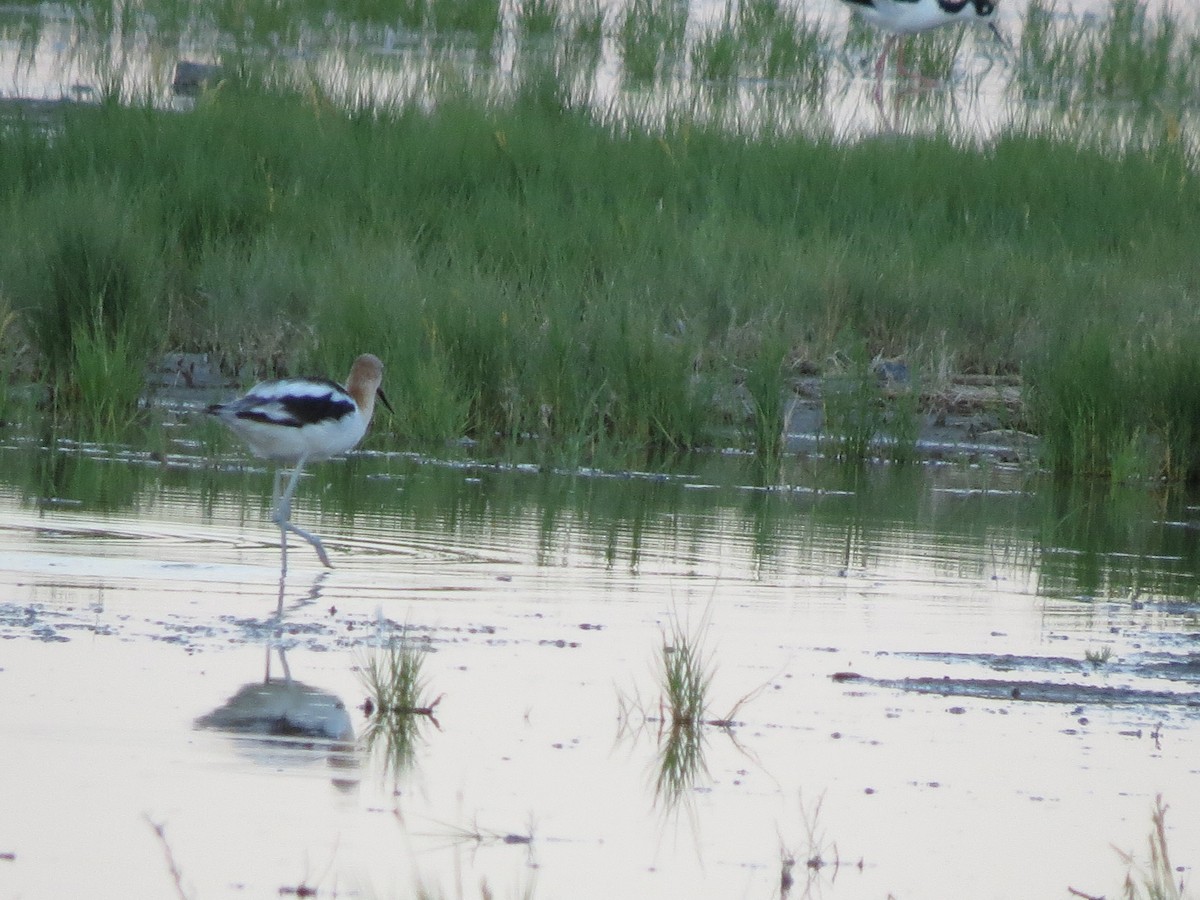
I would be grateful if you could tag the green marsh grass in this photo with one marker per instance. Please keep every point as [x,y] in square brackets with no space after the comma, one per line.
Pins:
[902,421]
[796,50]
[8,359]
[783,44]
[679,713]
[478,18]
[84,260]
[1134,54]
[685,674]
[393,677]
[929,54]
[106,381]
[538,18]
[932,53]
[1128,55]
[587,20]
[853,413]
[1108,407]
[528,269]
[1083,402]
[651,37]
[768,385]
[580,52]
[1047,53]
[86,273]
[716,54]
[1170,387]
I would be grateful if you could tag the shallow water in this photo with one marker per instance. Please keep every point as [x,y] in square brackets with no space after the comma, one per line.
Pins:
[140,654]
[81,51]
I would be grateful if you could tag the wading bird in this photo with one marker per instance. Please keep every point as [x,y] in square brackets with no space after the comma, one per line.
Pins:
[299,420]
[905,17]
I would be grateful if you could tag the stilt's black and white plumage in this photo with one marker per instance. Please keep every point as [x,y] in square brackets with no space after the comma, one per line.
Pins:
[904,17]
[299,420]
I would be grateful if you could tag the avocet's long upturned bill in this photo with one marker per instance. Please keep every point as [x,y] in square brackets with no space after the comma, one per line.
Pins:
[298,420]
[903,17]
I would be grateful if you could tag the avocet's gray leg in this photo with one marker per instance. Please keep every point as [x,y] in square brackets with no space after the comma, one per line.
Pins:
[282,517]
[314,540]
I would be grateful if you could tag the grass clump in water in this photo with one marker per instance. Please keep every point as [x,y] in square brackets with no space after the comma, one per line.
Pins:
[1115,409]
[651,38]
[769,389]
[1084,406]
[853,413]
[685,678]
[1098,658]
[1158,881]
[1129,55]
[1171,376]
[902,418]
[715,55]
[107,380]
[538,17]
[393,678]
[8,360]
[686,675]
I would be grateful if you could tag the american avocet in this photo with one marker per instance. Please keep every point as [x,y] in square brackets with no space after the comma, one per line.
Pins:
[298,420]
[905,17]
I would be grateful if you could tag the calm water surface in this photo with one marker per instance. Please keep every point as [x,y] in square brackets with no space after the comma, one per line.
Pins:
[81,50]
[137,606]
[975,752]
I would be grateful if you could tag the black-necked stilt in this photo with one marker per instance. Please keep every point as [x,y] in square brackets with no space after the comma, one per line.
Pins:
[905,17]
[297,420]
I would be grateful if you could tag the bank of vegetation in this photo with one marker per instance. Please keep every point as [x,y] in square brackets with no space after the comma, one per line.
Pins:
[536,272]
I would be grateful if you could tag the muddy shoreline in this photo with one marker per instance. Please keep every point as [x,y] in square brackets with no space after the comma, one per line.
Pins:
[966,417]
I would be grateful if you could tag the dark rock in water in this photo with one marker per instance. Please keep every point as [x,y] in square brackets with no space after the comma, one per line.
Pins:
[891,371]
[192,77]
[190,370]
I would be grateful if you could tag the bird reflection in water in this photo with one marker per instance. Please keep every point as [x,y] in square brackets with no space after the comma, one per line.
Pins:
[281,721]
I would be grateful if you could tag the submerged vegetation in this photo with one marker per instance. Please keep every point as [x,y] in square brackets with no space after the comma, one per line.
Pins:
[601,282]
